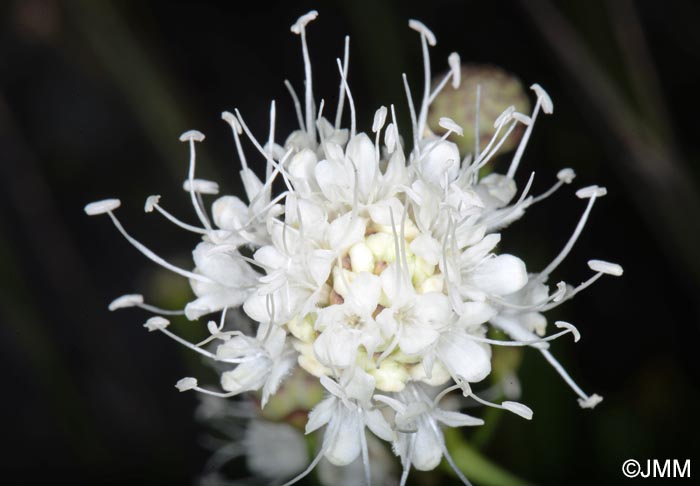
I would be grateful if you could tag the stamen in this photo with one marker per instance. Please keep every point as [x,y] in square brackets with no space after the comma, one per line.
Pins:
[477,128]
[153,257]
[395,126]
[297,104]
[237,130]
[455,74]
[344,80]
[441,440]
[517,408]
[585,401]
[564,176]
[341,94]
[426,37]
[593,192]
[152,203]
[570,329]
[377,125]
[193,136]
[365,456]
[270,140]
[412,111]
[264,153]
[299,28]
[544,102]
[136,300]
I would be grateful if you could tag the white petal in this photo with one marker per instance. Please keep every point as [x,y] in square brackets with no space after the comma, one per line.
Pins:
[463,357]
[363,296]
[432,308]
[475,314]
[345,445]
[229,212]
[441,157]
[475,253]
[256,308]
[335,180]
[345,231]
[246,376]
[360,150]
[427,247]
[456,419]
[378,425]
[501,275]
[336,346]
[416,337]
[382,211]
[427,452]
[361,387]
[321,414]
[270,257]
[280,370]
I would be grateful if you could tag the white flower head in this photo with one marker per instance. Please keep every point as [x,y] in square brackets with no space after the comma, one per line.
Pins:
[375,269]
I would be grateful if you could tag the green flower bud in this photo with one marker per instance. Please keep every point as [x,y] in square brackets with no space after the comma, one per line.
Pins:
[499,90]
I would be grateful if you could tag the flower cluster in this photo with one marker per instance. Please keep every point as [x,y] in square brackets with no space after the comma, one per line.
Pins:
[376,269]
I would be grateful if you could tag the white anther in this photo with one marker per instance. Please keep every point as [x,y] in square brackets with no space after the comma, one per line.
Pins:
[544,99]
[590,402]
[151,202]
[504,117]
[186,384]
[379,119]
[102,207]
[456,67]
[303,21]
[590,191]
[605,267]
[190,135]
[201,186]
[129,300]
[420,27]
[566,175]
[522,118]
[569,327]
[518,408]
[450,124]
[229,118]
[156,323]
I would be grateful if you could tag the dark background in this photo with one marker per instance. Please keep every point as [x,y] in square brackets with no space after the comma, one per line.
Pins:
[93,95]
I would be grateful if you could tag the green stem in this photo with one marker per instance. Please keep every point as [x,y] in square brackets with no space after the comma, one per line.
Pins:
[475,466]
